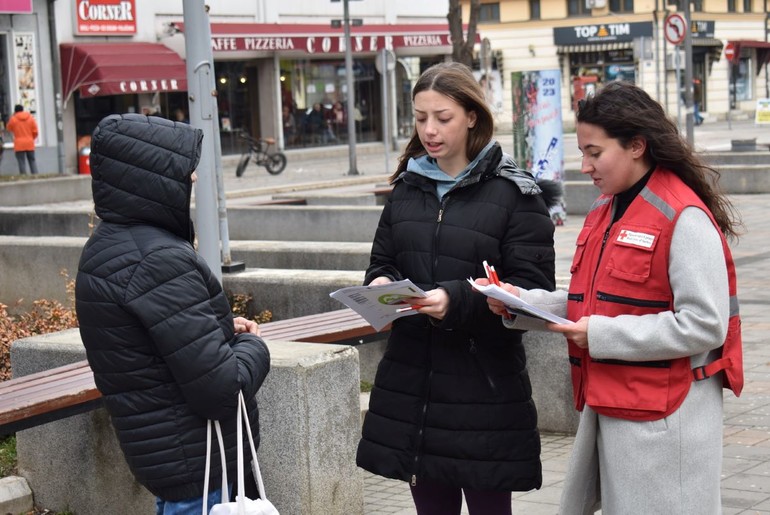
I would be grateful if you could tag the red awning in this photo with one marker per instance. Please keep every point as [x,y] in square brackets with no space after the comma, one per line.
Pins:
[762,47]
[99,69]
[312,38]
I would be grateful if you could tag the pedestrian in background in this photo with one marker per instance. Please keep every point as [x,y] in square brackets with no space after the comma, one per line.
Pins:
[165,350]
[24,129]
[451,411]
[654,305]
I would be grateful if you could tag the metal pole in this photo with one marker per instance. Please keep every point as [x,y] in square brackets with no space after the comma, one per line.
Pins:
[384,85]
[678,65]
[688,96]
[200,91]
[351,93]
[56,69]
[656,42]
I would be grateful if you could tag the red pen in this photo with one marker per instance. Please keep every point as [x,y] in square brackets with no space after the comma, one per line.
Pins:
[491,274]
[408,308]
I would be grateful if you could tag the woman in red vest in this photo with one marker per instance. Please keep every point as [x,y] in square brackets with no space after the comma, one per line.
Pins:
[656,332]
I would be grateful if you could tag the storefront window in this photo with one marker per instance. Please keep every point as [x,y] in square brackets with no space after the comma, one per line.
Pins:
[743,80]
[605,66]
[314,102]
[236,102]
[6,109]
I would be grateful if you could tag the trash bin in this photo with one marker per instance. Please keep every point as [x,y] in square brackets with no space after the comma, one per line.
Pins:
[84,161]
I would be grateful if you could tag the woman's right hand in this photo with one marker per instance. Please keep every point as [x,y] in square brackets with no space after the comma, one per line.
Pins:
[496,306]
[380,280]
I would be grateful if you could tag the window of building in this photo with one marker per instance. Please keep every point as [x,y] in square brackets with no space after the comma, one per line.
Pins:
[534,9]
[489,13]
[743,80]
[747,6]
[622,6]
[578,8]
[731,6]
[697,5]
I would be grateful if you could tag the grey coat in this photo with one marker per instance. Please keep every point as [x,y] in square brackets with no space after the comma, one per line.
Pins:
[672,465]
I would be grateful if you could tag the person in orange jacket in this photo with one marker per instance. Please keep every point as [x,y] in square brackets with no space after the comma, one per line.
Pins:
[24,128]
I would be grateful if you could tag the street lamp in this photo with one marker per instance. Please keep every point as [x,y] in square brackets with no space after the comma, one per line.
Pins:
[351,92]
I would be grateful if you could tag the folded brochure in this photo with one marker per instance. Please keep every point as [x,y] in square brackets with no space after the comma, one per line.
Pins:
[517,306]
[378,305]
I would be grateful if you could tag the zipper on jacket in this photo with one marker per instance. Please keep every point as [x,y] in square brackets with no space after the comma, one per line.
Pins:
[617,299]
[473,351]
[577,297]
[421,431]
[439,218]
[650,364]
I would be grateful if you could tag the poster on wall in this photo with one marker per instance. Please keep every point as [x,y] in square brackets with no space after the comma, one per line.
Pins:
[24,63]
[538,135]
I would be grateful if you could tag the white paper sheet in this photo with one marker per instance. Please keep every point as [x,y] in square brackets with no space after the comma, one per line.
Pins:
[378,304]
[517,306]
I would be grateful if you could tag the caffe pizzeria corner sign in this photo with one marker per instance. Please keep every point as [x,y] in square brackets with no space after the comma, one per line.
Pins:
[326,44]
[105,17]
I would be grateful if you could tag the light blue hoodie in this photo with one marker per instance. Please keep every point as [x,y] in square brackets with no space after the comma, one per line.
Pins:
[428,167]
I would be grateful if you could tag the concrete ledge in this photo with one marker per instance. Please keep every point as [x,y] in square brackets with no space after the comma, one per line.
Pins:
[45,191]
[56,254]
[332,199]
[304,223]
[292,293]
[288,223]
[15,495]
[310,426]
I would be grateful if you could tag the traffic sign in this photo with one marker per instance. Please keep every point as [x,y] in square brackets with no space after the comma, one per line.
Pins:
[675,28]
[730,51]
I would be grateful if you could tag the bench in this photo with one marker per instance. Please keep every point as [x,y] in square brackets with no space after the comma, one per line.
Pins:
[68,390]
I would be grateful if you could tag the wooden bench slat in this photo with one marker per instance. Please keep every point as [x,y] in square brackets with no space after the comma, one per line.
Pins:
[70,389]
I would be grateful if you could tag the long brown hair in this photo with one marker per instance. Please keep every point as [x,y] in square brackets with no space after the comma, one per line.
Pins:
[454,80]
[626,111]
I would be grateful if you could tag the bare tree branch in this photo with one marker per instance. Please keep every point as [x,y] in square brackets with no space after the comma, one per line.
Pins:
[462,47]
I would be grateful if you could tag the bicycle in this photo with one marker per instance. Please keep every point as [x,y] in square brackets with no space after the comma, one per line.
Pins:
[258,151]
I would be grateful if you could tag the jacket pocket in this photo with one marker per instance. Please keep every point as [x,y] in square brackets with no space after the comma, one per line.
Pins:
[580,248]
[632,252]
[628,385]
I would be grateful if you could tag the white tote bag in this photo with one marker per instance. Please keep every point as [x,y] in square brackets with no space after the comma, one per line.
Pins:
[242,505]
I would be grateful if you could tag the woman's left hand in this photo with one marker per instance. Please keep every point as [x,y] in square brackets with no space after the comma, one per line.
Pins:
[577,332]
[435,304]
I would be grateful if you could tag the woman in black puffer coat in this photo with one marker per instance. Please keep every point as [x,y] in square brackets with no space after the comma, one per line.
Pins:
[452,405]
[159,335]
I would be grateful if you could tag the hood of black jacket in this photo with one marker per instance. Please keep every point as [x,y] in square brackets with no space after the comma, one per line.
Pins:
[141,171]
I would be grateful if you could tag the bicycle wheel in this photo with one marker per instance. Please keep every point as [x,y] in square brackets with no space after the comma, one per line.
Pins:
[276,163]
[242,164]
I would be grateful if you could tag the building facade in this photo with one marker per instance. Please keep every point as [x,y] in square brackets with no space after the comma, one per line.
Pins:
[27,44]
[274,61]
[594,41]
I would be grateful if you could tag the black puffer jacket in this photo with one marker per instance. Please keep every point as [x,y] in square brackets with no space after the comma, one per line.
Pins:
[452,401]
[155,322]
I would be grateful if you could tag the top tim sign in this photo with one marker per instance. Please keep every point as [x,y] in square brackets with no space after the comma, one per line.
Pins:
[105,17]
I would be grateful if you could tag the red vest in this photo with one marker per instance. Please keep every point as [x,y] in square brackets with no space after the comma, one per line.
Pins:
[624,270]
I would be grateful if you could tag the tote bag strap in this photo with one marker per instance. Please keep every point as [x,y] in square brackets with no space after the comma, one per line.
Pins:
[220,441]
[254,461]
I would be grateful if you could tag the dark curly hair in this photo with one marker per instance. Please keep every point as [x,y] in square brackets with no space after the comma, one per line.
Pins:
[626,111]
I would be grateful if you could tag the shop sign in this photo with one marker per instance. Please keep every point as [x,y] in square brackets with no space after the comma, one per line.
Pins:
[762,115]
[105,17]
[702,28]
[601,33]
[326,44]
[148,86]
[16,6]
